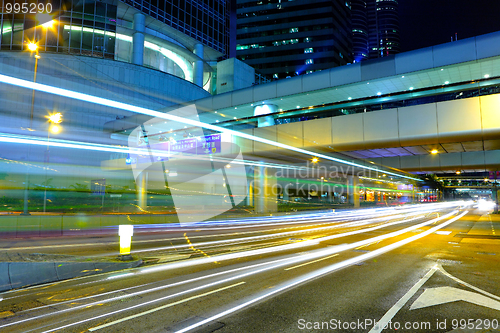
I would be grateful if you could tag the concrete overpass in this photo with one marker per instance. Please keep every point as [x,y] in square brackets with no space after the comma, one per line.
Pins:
[392,111]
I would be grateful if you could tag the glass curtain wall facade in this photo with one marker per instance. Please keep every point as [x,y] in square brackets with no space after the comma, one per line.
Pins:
[359,30]
[204,20]
[86,28]
[89,28]
[282,38]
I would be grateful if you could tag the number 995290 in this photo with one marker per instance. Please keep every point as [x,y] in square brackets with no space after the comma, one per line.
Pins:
[26,7]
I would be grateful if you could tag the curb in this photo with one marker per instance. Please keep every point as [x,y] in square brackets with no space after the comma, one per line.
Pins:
[15,275]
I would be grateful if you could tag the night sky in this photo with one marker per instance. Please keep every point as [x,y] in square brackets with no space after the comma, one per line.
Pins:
[430,22]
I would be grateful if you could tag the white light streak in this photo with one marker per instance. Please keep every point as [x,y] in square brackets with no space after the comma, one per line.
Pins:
[324,271]
[132,108]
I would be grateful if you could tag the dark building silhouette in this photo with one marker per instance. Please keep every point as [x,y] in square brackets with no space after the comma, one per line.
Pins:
[281,38]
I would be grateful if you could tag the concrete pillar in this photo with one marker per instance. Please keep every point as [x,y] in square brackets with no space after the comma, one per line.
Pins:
[138,39]
[198,65]
[142,190]
[286,194]
[353,182]
[265,190]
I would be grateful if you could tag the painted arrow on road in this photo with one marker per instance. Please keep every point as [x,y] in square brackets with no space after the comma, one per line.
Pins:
[442,295]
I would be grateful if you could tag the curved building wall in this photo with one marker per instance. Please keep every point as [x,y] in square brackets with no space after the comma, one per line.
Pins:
[109,79]
[359,23]
[383,22]
[94,28]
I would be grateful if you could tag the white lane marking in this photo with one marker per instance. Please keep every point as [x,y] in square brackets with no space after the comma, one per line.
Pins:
[311,262]
[326,270]
[441,269]
[442,295]
[142,304]
[163,307]
[379,326]
[284,261]
[443,232]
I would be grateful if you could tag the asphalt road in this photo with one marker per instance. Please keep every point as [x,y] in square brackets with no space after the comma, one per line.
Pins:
[411,270]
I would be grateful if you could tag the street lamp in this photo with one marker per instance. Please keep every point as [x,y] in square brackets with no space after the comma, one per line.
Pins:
[32,47]
[54,120]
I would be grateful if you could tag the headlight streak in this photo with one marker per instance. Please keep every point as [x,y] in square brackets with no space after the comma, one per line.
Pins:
[323,271]
[206,243]
[292,261]
[136,109]
[332,219]
[293,246]
[271,236]
[278,263]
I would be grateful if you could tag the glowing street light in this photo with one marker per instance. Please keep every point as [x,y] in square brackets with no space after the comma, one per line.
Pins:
[32,47]
[434,151]
[315,160]
[55,118]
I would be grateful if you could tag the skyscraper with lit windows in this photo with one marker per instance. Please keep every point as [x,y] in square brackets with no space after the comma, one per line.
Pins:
[375,28]
[281,38]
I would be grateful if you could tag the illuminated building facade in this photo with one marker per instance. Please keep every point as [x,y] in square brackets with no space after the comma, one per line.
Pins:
[286,38]
[175,37]
[375,28]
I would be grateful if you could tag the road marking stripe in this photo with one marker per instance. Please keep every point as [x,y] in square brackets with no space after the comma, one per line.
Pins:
[379,326]
[163,307]
[441,269]
[311,262]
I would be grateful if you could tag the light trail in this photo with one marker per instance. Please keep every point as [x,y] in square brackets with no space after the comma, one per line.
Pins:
[283,262]
[321,272]
[136,109]
[274,264]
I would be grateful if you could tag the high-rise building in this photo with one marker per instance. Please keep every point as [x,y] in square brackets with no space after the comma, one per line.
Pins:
[281,38]
[375,28]
[383,28]
[359,21]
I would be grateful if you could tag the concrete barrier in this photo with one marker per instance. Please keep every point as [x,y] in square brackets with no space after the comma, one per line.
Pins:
[15,275]
[72,225]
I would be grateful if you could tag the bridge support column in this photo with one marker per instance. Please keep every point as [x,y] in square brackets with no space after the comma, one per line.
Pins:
[353,190]
[138,39]
[198,65]
[265,190]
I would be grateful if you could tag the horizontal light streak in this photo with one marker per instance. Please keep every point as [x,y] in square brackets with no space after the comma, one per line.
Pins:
[164,307]
[311,262]
[136,109]
[321,272]
[278,263]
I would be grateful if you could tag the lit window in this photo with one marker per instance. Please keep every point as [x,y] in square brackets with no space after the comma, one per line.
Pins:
[309,61]
[275,76]
[309,50]
[292,30]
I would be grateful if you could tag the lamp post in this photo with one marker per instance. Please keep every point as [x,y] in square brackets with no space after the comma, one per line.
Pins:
[54,120]
[32,47]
